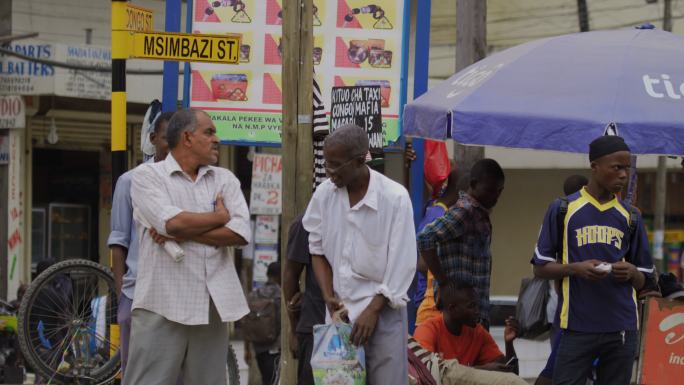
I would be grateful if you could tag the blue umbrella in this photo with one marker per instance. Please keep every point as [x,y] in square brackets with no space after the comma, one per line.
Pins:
[562,92]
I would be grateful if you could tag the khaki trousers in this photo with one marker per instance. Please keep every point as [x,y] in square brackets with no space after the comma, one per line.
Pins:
[160,349]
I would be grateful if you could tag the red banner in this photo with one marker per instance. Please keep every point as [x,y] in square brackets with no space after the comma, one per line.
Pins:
[662,353]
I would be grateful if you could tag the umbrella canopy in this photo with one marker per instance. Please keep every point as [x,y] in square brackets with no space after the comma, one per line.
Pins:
[562,92]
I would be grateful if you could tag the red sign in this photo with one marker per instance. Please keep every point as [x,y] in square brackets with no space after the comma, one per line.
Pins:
[662,351]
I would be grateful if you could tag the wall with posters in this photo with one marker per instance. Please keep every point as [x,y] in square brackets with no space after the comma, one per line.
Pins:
[354,44]
[266,203]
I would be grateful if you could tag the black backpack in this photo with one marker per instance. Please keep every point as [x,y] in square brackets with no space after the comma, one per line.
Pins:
[262,324]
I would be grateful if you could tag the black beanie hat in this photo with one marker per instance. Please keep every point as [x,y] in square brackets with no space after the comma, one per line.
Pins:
[606,145]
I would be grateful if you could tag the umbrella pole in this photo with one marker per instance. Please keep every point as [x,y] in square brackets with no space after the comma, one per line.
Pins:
[661,173]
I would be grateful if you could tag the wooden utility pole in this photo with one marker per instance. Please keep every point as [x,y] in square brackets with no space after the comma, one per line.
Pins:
[661,173]
[297,142]
[471,46]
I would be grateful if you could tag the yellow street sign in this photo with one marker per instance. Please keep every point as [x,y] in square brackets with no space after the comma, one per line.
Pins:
[129,17]
[139,19]
[185,47]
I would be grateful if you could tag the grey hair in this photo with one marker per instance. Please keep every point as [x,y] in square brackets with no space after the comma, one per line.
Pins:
[182,120]
[350,136]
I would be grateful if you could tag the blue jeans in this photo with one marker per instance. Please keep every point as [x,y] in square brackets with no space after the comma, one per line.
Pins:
[577,350]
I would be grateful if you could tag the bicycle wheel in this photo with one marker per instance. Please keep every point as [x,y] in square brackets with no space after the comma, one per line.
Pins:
[64,323]
[232,369]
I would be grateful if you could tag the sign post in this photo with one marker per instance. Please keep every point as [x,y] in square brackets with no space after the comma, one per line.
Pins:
[125,17]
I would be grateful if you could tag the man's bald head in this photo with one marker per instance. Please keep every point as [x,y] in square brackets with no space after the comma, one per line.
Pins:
[351,138]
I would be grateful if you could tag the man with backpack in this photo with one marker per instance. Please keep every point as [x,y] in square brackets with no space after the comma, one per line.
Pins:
[262,325]
[604,258]
[572,184]
[123,240]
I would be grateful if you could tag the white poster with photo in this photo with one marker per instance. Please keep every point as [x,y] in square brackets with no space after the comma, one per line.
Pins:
[263,256]
[266,229]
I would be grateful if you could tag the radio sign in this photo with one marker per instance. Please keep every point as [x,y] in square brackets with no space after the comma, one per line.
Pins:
[186,47]
[139,19]
[12,112]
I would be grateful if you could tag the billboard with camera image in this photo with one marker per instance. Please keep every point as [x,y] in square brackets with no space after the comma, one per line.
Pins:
[356,43]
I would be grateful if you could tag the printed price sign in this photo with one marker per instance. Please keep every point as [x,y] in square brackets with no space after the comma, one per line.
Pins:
[266,194]
[360,105]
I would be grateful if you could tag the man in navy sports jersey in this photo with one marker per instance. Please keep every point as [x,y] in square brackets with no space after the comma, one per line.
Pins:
[603,259]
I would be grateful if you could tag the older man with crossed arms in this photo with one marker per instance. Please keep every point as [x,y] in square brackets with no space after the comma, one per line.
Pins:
[181,306]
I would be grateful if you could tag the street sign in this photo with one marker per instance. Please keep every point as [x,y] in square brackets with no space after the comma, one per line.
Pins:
[129,17]
[139,18]
[185,47]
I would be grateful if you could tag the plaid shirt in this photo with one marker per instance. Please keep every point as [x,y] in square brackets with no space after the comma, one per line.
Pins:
[182,291]
[462,238]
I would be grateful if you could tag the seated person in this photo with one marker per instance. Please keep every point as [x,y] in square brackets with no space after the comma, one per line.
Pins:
[456,334]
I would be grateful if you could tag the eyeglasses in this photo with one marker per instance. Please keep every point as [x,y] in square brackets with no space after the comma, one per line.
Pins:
[335,170]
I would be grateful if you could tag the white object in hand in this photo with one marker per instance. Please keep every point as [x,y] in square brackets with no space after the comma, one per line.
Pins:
[172,247]
[174,250]
[605,267]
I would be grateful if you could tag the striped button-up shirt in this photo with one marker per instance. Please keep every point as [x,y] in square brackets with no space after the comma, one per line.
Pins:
[464,236]
[181,291]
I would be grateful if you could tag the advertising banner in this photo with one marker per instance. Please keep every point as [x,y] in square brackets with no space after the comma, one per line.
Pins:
[662,350]
[355,44]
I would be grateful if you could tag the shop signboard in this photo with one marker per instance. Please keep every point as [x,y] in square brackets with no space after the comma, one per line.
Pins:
[12,112]
[83,84]
[22,77]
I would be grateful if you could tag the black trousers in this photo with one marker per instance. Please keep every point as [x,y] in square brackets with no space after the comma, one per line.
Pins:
[304,371]
[268,367]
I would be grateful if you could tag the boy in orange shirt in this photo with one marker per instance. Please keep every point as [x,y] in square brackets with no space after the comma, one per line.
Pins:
[456,332]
